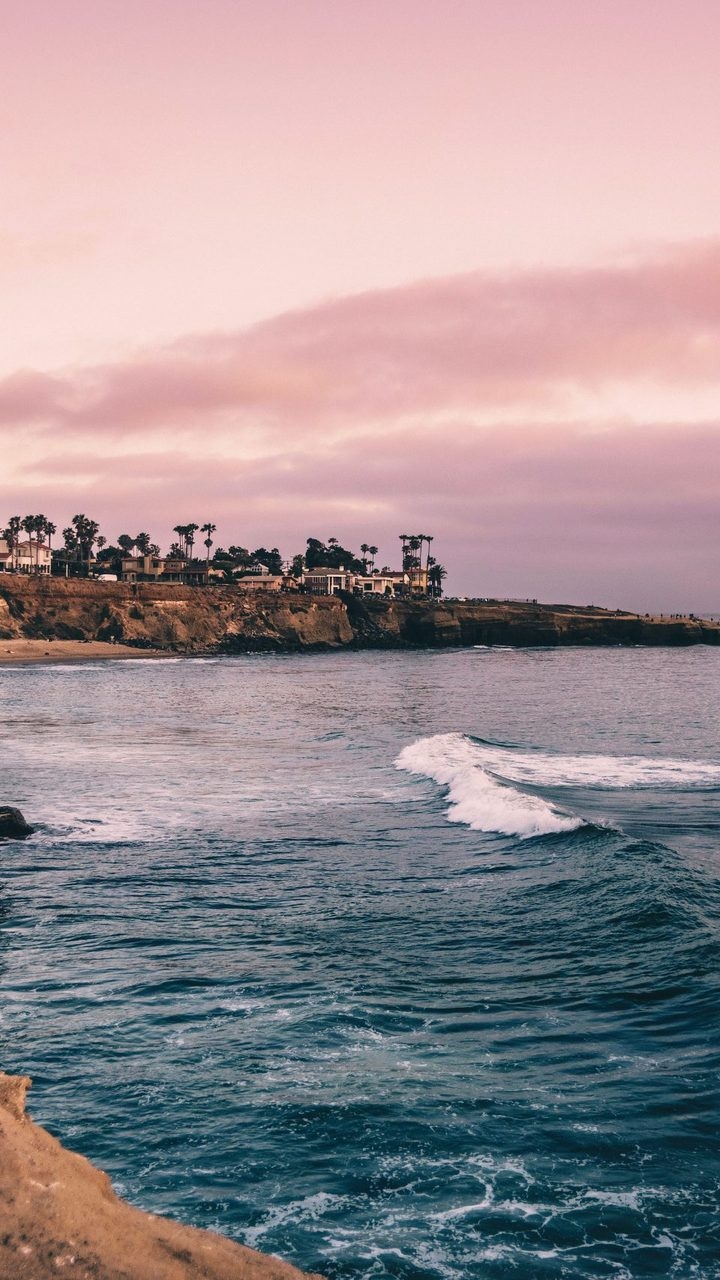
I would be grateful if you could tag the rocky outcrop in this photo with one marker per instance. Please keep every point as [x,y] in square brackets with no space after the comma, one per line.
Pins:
[228,619]
[60,1216]
[12,824]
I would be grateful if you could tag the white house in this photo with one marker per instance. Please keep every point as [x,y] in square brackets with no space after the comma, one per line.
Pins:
[25,557]
[327,582]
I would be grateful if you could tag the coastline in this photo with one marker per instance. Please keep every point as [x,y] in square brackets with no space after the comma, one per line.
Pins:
[70,620]
[59,1213]
[50,651]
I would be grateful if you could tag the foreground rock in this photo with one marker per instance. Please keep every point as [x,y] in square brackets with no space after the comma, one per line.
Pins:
[60,1216]
[12,824]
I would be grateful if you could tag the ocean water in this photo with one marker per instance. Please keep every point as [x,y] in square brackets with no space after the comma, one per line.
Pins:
[392,964]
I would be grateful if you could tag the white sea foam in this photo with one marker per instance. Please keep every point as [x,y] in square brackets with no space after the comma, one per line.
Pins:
[478,775]
[476,798]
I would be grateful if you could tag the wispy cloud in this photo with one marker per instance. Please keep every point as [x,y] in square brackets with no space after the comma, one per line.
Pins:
[477,404]
[537,342]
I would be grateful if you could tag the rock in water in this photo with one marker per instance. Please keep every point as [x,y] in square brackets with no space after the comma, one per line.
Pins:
[12,824]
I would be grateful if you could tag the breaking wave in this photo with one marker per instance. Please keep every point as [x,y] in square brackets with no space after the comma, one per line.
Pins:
[479,779]
[476,798]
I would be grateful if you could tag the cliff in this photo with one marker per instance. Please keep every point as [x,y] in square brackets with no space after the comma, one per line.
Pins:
[226,619]
[59,1215]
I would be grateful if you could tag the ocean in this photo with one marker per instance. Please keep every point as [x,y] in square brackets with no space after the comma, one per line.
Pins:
[393,964]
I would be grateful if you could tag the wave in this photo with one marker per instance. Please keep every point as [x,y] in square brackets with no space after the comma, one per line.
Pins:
[476,798]
[600,772]
[479,778]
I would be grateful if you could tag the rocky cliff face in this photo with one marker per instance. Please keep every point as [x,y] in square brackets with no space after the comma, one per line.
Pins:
[226,619]
[184,619]
[60,1216]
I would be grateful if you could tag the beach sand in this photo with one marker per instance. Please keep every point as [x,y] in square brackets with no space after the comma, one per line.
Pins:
[72,651]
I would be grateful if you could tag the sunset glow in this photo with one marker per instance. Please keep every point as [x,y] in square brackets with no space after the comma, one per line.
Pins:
[335,268]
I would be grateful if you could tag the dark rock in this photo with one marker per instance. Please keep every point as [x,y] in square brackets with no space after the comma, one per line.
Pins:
[12,824]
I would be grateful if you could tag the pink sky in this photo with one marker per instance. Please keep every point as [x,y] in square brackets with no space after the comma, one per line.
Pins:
[348,269]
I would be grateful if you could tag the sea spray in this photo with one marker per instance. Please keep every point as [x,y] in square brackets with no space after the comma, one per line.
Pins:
[476,798]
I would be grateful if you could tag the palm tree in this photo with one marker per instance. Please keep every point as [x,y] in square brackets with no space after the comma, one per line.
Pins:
[87,531]
[422,538]
[414,545]
[190,531]
[373,552]
[126,543]
[428,538]
[28,524]
[209,529]
[182,530]
[365,549]
[403,540]
[12,533]
[41,524]
[142,542]
[436,574]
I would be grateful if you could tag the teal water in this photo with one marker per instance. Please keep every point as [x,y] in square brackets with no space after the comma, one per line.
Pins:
[392,964]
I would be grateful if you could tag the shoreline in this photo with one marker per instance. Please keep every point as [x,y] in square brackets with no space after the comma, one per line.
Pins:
[72,620]
[70,652]
[51,651]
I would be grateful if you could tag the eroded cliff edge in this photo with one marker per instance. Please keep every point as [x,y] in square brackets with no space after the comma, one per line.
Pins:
[60,1216]
[226,619]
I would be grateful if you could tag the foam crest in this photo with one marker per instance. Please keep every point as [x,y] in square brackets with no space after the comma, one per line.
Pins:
[476,798]
[611,773]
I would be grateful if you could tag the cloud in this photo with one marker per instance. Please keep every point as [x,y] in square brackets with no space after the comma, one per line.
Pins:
[474,406]
[541,343]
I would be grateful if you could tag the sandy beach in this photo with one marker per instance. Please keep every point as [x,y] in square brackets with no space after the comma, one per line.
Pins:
[72,651]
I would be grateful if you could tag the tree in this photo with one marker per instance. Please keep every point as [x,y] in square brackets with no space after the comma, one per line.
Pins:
[190,531]
[28,524]
[316,554]
[41,526]
[372,552]
[271,559]
[240,556]
[403,544]
[110,557]
[297,566]
[414,559]
[428,538]
[142,542]
[86,531]
[182,531]
[12,536]
[208,529]
[332,556]
[364,548]
[436,573]
[126,544]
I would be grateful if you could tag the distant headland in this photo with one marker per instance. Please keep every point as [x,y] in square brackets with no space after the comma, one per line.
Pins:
[79,617]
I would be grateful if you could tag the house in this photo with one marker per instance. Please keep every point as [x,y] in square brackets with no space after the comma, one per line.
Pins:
[327,582]
[380,584]
[261,582]
[25,557]
[142,568]
[148,568]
